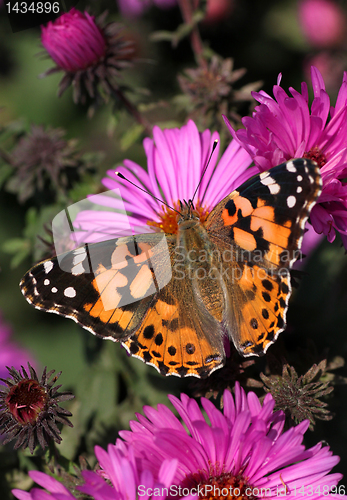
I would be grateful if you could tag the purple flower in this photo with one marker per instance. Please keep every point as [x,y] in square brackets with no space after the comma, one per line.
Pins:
[74,41]
[11,354]
[243,448]
[119,467]
[176,159]
[29,408]
[57,489]
[124,480]
[134,8]
[284,128]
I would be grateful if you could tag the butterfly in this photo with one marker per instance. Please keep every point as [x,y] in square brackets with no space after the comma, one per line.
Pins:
[173,299]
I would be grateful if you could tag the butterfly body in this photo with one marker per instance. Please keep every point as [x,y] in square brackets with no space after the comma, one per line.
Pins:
[173,300]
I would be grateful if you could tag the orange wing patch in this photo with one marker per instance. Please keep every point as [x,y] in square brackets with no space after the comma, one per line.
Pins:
[173,347]
[263,305]
[137,252]
[245,240]
[143,284]
[241,204]
[272,232]
[129,279]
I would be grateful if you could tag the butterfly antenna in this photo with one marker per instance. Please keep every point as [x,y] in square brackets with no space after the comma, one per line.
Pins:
[147,192]
[204,171]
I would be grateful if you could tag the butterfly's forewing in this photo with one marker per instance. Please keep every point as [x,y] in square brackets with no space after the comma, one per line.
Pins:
[263,222]
[106,287]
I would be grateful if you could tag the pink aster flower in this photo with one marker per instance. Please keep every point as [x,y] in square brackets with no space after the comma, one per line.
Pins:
[56,489]
[74,41]
[124,480]
[176,159]
[11,354]
[285,127]
[242,453]
[91,53]
[323,22]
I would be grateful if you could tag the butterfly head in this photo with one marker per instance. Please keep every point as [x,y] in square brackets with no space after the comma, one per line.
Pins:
[187,212]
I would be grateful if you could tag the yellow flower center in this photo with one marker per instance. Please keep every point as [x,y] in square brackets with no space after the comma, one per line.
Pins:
[223,486]
[168,217]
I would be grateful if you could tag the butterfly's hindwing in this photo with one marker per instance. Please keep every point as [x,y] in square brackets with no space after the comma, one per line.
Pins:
[177,337]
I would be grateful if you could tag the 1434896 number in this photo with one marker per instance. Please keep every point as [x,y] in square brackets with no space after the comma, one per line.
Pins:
[33,7]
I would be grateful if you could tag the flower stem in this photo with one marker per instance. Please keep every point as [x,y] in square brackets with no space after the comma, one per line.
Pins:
[6,157]
[187,10]
[130,107]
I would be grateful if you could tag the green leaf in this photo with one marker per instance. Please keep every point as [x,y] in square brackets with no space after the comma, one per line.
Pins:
[14,245]
[162,36]
[182,31]
[82,190]
[112,124]
[131,136]
[19,247]
[5,172]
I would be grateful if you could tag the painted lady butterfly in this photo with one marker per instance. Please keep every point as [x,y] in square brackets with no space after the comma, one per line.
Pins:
[228,278]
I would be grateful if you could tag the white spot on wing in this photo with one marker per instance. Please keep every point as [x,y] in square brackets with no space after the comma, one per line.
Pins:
[78,269]
[272,185]
[267,180]
[80,255]
[48,265]
[299,189]
[46,282]
[291,200]
[274,188]
[54,290]
[291,167]
[299,178]
[70,292]
[32,278]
